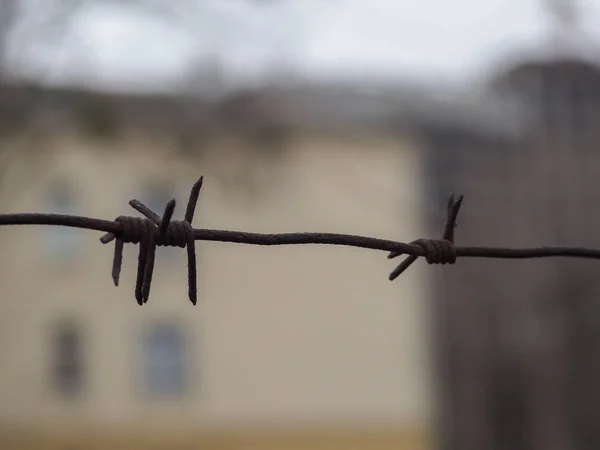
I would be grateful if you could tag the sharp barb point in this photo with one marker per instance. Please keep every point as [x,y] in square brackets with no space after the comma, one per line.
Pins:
[408,261]
[450,201]
[193,200]
[149,261]
[108,237]
[166,218]
[192,272]
[145,211]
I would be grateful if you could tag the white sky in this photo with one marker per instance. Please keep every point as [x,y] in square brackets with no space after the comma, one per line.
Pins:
[424,38]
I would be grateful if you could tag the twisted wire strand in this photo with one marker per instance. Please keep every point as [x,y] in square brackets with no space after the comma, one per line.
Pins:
[153,230]
[436,251]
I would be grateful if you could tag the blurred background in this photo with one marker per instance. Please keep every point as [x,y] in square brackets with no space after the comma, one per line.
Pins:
[303,115]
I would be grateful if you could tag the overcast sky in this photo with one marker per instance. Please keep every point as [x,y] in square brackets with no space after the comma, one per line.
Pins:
[424,38]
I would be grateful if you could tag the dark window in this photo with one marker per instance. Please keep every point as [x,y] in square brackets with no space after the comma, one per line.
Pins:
[164,360]
[68,364]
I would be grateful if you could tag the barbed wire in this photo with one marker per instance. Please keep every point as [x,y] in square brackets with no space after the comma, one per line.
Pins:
[153,230]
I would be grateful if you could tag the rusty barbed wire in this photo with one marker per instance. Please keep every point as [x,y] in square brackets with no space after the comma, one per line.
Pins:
[153,230]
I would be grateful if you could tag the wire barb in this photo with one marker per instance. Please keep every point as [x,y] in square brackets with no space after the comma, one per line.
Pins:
[152,230]
[436,251]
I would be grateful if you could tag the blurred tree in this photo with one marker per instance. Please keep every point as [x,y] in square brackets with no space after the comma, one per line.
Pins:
[27,24]
[31,32]
[21,25]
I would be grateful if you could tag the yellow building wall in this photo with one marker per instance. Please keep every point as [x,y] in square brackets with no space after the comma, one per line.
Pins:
[281,337]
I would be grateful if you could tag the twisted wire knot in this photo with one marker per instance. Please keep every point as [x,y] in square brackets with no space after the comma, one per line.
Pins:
[437,251]
[134,229]
[177,234]
[152,231]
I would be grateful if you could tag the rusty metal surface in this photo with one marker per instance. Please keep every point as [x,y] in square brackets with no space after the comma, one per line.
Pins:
[153,230]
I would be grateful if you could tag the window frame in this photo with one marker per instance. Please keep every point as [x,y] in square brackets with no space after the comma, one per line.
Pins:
[157,337]
[70,360]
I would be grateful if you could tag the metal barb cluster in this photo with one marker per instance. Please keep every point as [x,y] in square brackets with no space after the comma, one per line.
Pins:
[153,231]
[437,251]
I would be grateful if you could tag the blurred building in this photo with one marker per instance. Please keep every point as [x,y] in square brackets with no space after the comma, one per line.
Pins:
[290,347]
[518,351]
